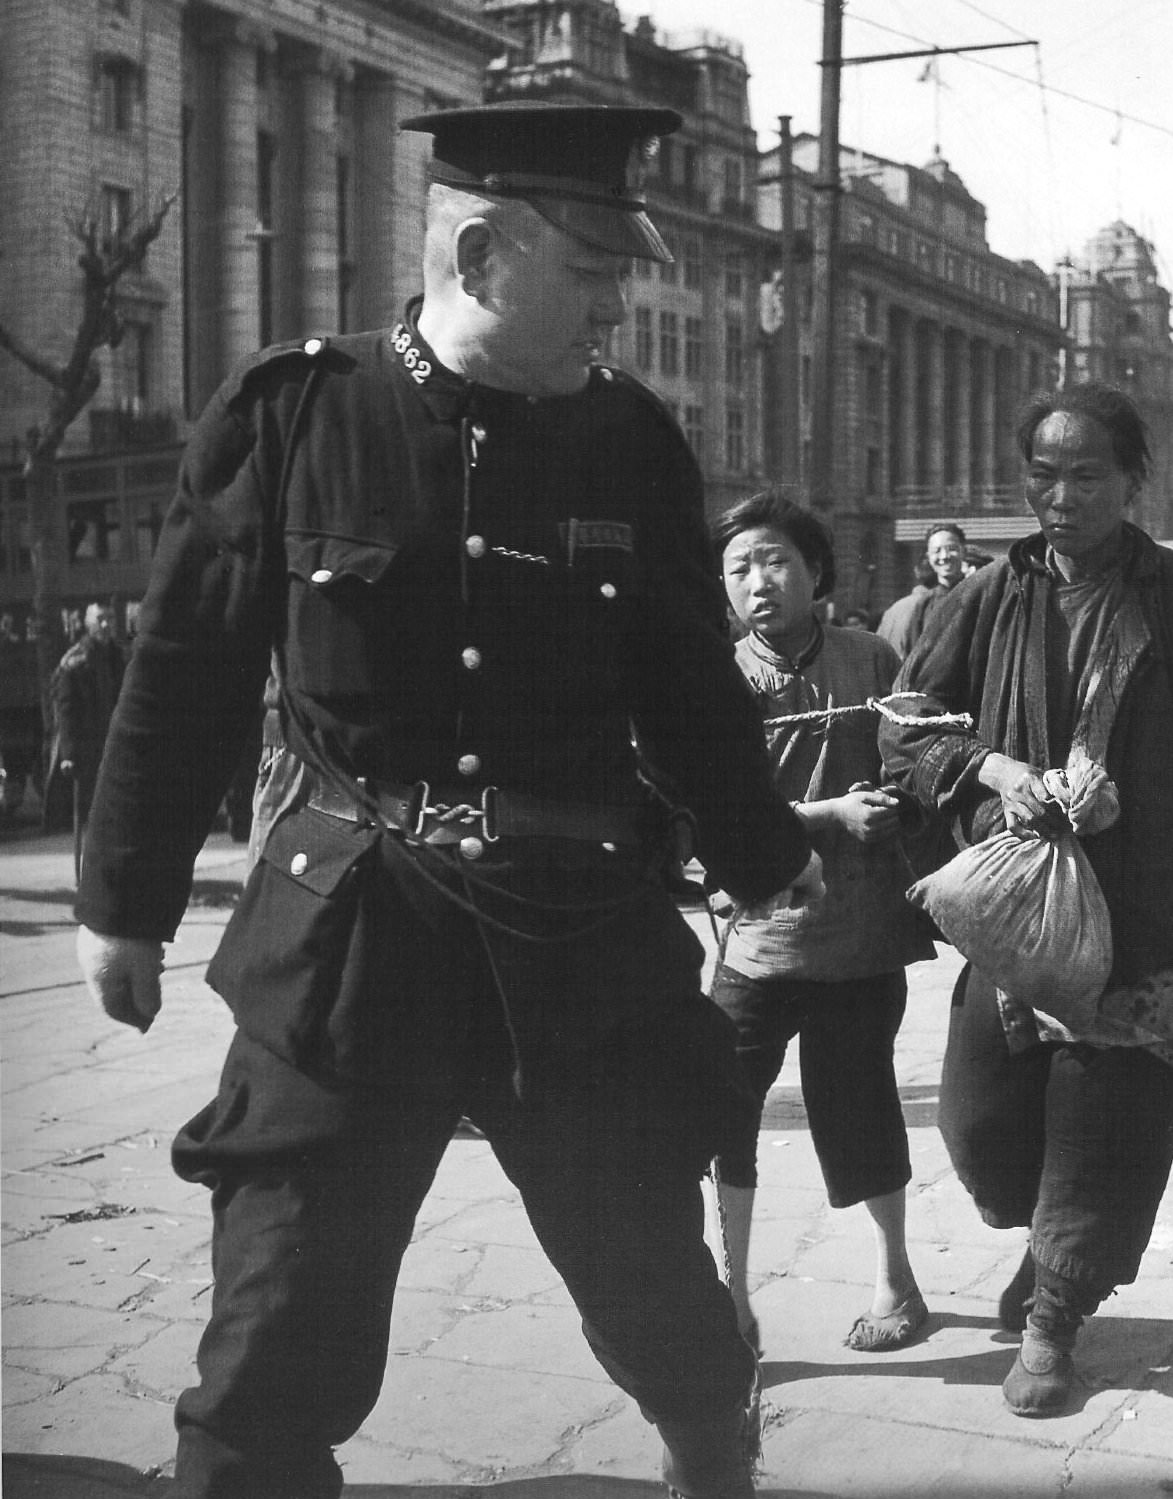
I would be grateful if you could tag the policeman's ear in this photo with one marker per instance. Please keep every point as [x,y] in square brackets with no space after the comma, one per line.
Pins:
[473,246]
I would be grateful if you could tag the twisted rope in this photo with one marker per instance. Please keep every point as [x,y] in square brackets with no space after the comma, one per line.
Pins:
[876,705]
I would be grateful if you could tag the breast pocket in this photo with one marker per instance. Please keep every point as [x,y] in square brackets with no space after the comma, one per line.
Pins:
[338,615]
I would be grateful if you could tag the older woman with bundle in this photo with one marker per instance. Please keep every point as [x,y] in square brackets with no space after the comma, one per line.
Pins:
[1062,652]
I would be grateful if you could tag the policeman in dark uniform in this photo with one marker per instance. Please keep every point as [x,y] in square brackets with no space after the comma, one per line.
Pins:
[476,559]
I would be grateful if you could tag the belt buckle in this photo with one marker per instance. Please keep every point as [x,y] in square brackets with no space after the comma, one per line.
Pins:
[417,808]
[488,815]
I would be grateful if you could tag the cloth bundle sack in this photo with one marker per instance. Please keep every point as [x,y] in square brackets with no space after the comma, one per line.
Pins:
[1029,914]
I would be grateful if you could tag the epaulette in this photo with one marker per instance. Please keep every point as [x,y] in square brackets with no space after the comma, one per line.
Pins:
[303,352]
[613,375]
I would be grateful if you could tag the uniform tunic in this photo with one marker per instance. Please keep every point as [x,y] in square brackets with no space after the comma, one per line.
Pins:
[472,589]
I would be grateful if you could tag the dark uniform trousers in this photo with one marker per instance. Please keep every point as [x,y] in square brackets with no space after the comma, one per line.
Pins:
[599,1074]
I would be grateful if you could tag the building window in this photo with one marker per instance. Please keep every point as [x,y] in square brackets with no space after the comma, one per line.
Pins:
[131,362]
[804,380]
[117,206]
[665,160]
[669,344]
[873,386]
[871,313]
[872,472]
[643,338]
[93,530]
[734,353]
[688,168]
[669,271]
[118,89]
[694,278]
[694,430]
[694,347]
[734,438]
[147,524]
[734,178]
[734,275]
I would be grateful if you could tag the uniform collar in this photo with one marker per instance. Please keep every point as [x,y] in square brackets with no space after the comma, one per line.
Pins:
[449,396]
[446,394]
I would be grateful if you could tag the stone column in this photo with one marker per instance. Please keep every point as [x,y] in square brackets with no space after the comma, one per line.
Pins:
[935,349]
[376,222]
[963,402]
[317,274]
[987,467]
[239,304]
[908,388]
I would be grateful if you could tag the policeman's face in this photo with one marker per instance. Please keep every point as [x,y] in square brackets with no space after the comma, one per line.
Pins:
[553,302]
[946,557]
[769,584]
[1075,485]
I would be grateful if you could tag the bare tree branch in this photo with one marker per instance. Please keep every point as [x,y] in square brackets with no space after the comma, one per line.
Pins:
[31,361]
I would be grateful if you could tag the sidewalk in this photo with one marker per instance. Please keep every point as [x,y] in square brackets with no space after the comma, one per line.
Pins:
[106,1278]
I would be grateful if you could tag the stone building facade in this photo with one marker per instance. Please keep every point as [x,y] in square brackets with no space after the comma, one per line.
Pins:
[692,327]
[1117,319]
[300,210]
[937,342]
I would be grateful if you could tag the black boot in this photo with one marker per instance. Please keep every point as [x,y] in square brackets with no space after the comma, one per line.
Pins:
[710,1459]
[1041,1380]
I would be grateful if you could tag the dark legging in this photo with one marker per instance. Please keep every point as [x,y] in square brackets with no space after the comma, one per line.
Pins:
[1074,1141]
[315,1193]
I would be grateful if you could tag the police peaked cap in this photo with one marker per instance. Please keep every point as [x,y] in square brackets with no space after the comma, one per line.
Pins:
[580,166]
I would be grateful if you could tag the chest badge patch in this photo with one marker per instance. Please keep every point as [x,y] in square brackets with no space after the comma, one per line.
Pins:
[582,535]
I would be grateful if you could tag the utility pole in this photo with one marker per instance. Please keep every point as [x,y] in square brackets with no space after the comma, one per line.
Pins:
[790,468]
[827,192]
[1066,266]
[826,226]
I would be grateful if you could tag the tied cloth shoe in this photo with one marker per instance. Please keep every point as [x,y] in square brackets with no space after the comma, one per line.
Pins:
[1040,1382]
[872,1334]
[1012,1304]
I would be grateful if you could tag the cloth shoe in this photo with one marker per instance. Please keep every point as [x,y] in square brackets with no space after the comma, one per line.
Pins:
[1041,1380]
[871,1334]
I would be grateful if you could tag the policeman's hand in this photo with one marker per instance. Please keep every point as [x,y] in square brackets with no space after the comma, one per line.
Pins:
[869,815]
[1027,805]
[122,973]
[808,887]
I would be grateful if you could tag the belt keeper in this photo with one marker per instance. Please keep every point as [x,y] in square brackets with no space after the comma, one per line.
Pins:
[421,795]
[489,815]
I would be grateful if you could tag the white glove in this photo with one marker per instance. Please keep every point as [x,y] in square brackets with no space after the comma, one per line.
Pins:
[122,973]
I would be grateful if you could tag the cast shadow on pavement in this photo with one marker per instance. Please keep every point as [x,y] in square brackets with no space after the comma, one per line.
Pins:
[29,1476]
[1107,1358]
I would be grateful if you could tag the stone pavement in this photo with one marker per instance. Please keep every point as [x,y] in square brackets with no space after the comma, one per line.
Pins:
[490,1385]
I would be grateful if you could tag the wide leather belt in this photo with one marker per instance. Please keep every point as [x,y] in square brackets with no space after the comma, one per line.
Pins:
[439,815]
